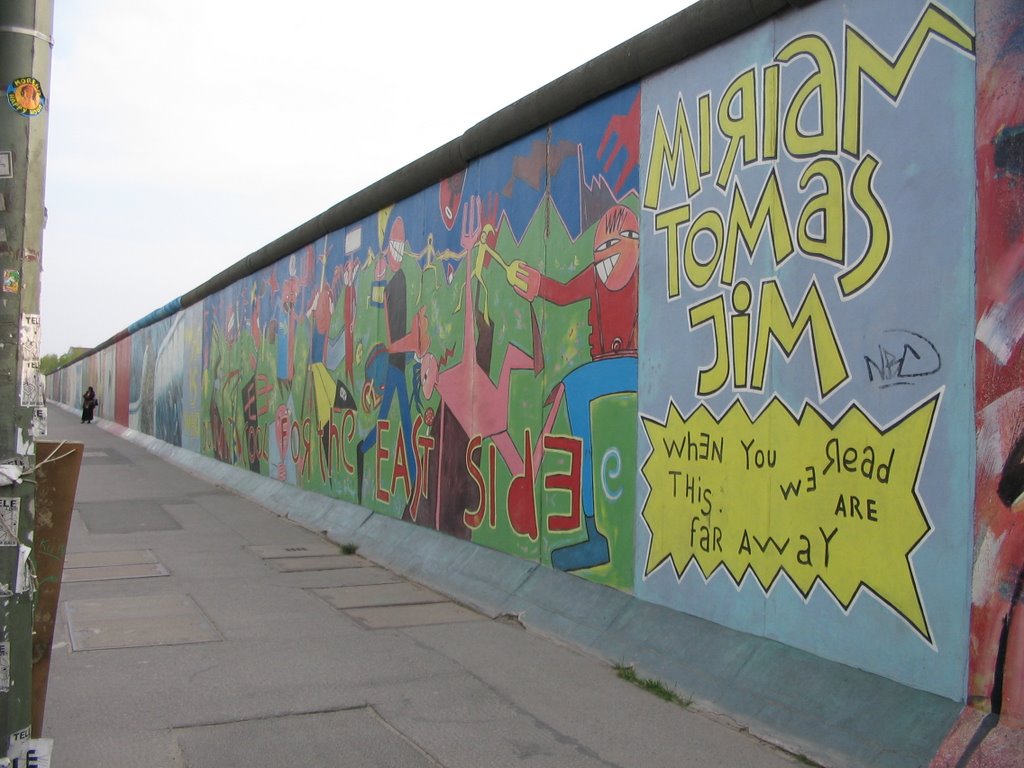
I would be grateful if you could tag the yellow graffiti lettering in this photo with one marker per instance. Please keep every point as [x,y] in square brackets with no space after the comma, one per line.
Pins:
[889,76]
[776,324]
[791,494]
[770,133]
[810,122]
[669,222]
[714,377]
[666,155]
[704,115]
[820,231]
[699,272]
[739,129]
[827,208]
[770,210]
[879,230]
[773,323]
[740,333]
[820,84]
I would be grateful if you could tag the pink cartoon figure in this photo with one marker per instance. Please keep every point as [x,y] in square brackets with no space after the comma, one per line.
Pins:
[477,403]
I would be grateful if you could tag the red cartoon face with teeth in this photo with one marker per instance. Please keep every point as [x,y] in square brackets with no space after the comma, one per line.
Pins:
[617,247]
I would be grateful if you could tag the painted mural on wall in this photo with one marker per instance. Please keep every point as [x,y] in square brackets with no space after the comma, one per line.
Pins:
[465,359]
[106,388]
[75,385]
[145,413]
[122,379]
[997,626]
[807,474]
[177,388]
[791,456]
[93,374]
[192,378]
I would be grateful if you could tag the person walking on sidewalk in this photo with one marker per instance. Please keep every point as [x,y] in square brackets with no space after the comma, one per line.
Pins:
[89,403]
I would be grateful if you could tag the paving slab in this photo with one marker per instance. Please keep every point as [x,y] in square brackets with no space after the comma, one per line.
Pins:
[413,615]
[135,749]
[356,577]
[342,577]
[350,737]
[127,517]
[130,622]
[108,456]
[107,572]
[95,559]
[397,593]
[276,551]
[315,563]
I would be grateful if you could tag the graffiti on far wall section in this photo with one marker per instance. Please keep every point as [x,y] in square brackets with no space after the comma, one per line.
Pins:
[464,359]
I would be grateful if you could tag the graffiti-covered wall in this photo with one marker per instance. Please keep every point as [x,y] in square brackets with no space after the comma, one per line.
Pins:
[707,339]
[997,635]
[809,466]
[446,360]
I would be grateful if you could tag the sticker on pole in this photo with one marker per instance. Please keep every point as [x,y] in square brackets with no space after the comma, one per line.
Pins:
[37,426]
[12,281]
[25,752]
[30,337]
[5,666]
[25,95]
[10,512]
[31,384]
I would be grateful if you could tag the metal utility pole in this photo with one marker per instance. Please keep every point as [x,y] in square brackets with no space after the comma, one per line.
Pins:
[25,53]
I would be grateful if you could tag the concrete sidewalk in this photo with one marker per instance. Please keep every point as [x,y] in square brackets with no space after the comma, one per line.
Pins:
[198,629]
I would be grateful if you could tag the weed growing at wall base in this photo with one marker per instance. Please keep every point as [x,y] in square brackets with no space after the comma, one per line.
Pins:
[805,760]
[628,673]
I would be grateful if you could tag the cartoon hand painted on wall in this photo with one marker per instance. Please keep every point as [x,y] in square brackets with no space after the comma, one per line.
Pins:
[417,341]
[420,332]
[625,130]
[524,279]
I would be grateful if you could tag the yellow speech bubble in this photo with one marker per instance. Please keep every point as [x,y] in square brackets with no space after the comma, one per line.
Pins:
[835,503]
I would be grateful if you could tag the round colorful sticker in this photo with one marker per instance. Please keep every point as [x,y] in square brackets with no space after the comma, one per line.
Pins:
[25,95]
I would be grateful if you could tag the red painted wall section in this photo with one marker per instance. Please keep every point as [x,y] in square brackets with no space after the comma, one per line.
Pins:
[123,377]
[997,620]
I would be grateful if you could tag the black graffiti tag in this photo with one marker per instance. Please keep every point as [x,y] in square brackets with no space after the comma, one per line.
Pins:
[903,358]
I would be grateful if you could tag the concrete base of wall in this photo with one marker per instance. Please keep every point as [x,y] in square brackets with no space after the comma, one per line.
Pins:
[828,712]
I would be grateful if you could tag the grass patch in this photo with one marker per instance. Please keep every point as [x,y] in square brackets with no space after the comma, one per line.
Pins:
[349,549]
[805,760]
[659,689]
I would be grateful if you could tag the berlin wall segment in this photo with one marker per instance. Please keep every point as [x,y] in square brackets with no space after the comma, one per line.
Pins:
[701,340]
[787,210]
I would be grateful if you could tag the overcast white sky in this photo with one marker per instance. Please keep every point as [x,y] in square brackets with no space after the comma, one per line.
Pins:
[185,135]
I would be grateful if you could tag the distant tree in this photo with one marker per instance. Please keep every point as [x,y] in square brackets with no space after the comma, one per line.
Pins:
[50,363]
